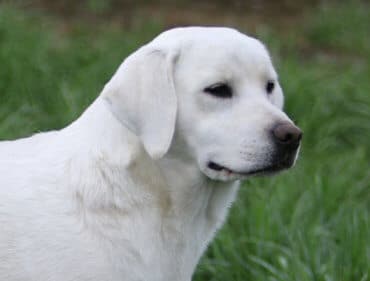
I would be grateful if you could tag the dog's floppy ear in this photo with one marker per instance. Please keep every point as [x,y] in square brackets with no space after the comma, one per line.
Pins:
[141,94]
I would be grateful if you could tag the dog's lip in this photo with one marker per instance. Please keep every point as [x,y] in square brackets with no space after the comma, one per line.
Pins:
[259,171]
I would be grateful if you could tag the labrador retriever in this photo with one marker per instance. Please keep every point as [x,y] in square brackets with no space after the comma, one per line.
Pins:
[136,187]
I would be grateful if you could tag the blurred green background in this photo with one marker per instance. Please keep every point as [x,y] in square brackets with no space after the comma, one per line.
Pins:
[312,223]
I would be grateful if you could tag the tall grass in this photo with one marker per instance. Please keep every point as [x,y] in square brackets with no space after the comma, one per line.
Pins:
[311,223]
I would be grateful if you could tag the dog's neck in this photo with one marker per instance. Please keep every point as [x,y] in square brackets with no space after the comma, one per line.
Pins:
[192,192]
[170,192]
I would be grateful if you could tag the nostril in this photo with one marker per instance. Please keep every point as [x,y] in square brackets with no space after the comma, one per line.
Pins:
[287,134]
[288,137]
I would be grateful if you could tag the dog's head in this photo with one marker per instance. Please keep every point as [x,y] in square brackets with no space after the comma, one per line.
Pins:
[210,95]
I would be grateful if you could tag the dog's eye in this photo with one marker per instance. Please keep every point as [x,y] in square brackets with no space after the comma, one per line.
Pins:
[219,90]
[270,85]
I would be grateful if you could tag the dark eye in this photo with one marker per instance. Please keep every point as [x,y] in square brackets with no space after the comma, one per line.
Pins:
[219,90]
[270,85]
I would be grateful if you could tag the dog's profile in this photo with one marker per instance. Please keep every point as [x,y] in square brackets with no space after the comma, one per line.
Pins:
[136,188]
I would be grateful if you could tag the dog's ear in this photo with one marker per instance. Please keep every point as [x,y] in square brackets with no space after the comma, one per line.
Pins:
[141,94]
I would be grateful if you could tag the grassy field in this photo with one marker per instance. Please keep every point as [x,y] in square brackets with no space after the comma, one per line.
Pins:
[312,223]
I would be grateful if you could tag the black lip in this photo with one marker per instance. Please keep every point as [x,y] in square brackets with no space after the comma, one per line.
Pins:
[261,171]
[215,166]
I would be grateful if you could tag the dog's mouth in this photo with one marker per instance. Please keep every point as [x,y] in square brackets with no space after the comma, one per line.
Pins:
[259,171]
[275,163]
[273,167]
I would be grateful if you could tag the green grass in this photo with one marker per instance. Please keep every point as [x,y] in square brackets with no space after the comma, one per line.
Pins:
[311,223]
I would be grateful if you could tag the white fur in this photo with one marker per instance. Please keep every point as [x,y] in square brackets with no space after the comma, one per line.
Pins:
[124,192]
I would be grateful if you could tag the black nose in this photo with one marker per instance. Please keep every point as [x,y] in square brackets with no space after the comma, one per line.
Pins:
[286,134]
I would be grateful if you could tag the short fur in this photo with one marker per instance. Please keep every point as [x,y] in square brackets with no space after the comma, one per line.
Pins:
[125,192]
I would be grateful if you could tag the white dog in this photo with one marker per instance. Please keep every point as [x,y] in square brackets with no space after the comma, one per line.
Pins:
[136,187]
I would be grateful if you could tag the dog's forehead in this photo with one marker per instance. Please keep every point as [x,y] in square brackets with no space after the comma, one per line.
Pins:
[215,43]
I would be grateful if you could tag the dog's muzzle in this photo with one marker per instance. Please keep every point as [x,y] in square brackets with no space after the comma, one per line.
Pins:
[286,138]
